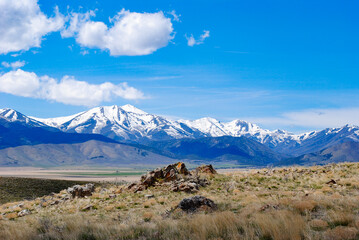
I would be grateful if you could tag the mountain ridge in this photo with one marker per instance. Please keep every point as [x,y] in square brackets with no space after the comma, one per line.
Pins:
[132,125]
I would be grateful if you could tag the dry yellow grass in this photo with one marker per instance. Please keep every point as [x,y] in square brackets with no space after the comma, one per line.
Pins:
[318,224]
[278,204]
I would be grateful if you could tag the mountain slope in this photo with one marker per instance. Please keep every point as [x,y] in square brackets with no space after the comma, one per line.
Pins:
[12,116]
[132,125]
[238,150]
[125,123]
[90,153]
[316,141]
[24,131]
[343,152]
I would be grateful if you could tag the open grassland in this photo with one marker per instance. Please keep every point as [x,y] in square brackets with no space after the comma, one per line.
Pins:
[284,203]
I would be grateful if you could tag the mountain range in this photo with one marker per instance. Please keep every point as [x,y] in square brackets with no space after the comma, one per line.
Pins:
[205,139]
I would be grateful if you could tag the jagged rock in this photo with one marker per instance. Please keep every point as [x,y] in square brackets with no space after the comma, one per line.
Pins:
[149,180]
[208,169]
[190,184]
[23,213]
[157,173]
[196,203]
[171,172]
[80,191]
[176,175]
[170,176]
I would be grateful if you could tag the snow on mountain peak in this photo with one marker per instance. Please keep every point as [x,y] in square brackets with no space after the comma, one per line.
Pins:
[130,108]
[12,115]
[128,123]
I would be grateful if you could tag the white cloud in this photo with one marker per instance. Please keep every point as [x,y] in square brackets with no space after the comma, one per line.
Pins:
[68,90]
[23,25]
[13,65]
[20,83]
[313,118]
[131,33]
[191,41]
[75,21]
[176,17]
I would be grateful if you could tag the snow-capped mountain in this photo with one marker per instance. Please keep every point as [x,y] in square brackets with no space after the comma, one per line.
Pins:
[238,128]
[130,124]
[125,123]
[11,115]
[315,141]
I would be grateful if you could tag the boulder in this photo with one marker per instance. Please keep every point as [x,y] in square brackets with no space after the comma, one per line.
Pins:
[196,203]
[171,172]
[191,184]
[81,191]
[206,169]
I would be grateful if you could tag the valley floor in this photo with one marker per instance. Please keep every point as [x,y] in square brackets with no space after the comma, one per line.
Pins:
[88,175]
[320,202]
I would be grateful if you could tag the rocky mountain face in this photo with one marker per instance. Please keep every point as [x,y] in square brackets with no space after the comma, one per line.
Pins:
[343,152]
[130,124]
[126,123]
[226,149]
[201,139]
[18,130]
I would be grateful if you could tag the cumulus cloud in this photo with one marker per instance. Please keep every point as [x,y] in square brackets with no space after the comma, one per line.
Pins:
[13,65]
[23,25]
[313,118]
[68,90]
[191,41]
[130,33]
[74,22]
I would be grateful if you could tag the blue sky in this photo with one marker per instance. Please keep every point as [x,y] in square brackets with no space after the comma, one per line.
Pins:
[281,64]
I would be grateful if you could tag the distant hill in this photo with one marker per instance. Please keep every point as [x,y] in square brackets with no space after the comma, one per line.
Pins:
[239,150]
[90,153]
[18,133]
[343,152]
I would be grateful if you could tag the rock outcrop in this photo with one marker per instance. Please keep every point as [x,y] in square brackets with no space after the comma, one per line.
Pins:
[190,184]
[206,169]
[81,191]
[176,176]
[196,203]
